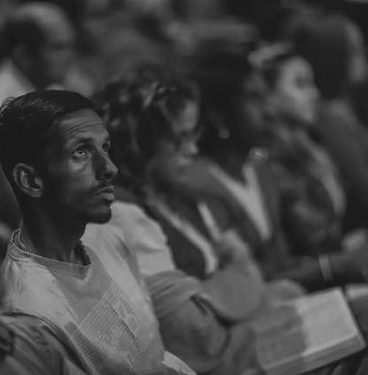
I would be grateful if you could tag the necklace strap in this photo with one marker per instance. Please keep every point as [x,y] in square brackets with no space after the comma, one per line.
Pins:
[26,245]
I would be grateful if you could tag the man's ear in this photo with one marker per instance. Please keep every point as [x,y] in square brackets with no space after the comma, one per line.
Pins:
[27,179]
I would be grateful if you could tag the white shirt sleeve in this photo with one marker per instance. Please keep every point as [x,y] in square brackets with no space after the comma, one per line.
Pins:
[143,236]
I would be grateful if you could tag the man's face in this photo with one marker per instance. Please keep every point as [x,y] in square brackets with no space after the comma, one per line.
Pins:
[78,174]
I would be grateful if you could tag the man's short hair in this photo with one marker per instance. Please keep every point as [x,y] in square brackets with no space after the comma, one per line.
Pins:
[26,122]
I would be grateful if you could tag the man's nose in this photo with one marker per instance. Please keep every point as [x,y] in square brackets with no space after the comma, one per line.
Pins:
[105,168]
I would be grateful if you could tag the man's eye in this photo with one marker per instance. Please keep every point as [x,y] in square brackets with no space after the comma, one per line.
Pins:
[80,152]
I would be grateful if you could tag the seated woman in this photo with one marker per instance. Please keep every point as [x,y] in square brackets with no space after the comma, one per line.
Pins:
[334,47]
[313,200]
[206,289]
[235,121]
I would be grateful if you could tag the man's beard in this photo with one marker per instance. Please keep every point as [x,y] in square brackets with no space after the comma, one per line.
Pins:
[101,218]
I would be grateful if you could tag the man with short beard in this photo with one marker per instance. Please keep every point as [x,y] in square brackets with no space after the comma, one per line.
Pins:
[54,152]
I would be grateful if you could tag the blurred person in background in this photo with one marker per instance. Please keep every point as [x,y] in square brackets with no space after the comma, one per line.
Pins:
[234,122]
[271,17]
[37,40]
[204,285]
[206,289]
[233,117]
[313,200]
[133,35]
[38,44]
[82,76]
[312,195]
[334,47]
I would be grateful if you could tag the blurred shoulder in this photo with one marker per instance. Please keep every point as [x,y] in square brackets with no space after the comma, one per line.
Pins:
[144,236]
[127,213]
[6,339]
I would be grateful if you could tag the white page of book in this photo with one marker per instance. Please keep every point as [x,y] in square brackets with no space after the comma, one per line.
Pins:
[310,331]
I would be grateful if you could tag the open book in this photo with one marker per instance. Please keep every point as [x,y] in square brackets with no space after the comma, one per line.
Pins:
[306,333]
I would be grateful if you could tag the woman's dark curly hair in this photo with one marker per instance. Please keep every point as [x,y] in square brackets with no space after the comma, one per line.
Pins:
[139,109]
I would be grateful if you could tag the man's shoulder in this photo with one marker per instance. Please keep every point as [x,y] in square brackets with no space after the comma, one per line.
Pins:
[26,347]
[103,237]
[29,287]
[144,237]
[126,212]
[134,235]
[135,224]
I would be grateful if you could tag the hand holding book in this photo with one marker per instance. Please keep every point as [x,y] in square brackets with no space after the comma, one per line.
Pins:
[306,333]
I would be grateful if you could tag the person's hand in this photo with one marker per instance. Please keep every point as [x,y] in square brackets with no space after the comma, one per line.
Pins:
[356,240]
[278,330]
[231,248]
[350,267]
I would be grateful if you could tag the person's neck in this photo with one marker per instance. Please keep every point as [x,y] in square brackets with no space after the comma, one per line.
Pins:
[159,193]
[54,238]
[232,160]
[160,186]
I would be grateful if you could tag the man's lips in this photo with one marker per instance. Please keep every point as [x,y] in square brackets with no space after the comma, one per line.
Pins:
[106,192]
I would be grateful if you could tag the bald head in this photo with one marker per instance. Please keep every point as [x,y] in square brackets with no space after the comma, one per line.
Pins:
[39,38]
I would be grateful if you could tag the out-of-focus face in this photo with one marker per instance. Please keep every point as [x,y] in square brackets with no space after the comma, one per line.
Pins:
[53,58]
[254,98]
[175,154]
[295,94]
[78,175]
